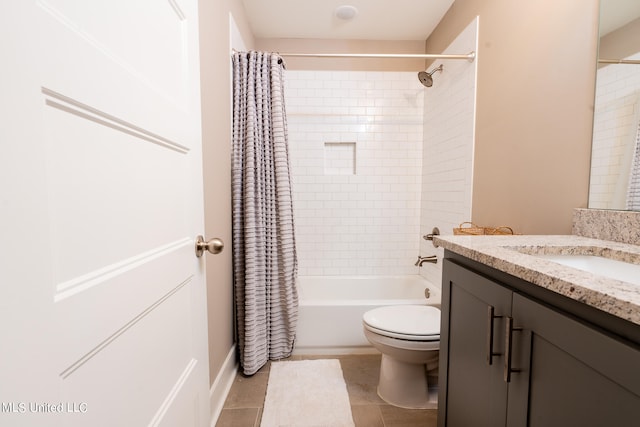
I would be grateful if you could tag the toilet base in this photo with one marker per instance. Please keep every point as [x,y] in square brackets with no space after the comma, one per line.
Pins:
[405,385]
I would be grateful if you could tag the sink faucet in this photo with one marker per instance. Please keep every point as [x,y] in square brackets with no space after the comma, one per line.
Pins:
[422,259]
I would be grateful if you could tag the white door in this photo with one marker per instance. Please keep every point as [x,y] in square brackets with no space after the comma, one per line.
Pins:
[102,299]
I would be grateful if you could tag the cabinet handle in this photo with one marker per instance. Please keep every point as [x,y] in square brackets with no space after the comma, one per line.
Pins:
[508,349]
[490,316]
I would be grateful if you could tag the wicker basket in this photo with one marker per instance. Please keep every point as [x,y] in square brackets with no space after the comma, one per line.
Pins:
[502,230]
[468,228]
[471,229]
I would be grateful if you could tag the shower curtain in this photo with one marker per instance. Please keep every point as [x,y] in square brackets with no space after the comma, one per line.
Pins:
[264,249]
[633,192]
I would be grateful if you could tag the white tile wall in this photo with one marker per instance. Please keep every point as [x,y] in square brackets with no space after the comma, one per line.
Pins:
[365,223]
[406,180]
[449,115]
[617,112]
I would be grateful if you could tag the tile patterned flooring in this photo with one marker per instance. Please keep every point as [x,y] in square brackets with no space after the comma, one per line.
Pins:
[243,407]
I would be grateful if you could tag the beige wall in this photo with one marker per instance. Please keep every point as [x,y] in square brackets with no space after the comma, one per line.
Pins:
[622,42]
[215,79]
[536,74]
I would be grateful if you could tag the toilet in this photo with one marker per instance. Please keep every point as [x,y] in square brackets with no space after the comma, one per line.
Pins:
[408,336]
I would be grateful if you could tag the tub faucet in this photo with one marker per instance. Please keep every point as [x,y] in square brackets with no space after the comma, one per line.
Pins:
[422,259]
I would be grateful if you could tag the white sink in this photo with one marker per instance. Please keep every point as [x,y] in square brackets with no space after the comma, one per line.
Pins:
[601,266]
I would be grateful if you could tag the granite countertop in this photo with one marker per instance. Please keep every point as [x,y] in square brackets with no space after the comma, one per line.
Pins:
[513,255]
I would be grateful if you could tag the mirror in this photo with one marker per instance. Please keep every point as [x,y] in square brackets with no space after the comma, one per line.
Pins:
[616,127]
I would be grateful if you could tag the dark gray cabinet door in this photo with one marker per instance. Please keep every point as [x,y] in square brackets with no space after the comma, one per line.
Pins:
[472,389]
[570,374]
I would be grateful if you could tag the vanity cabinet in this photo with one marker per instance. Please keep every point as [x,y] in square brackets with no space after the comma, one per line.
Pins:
[509,358]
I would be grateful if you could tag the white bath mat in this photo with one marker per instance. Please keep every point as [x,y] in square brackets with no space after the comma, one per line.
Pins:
[307,393]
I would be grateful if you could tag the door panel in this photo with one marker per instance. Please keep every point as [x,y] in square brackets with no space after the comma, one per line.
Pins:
[577,375]
[141,51]
[476,394]
[103,299]
[91,319]
[142,371]
[108,188]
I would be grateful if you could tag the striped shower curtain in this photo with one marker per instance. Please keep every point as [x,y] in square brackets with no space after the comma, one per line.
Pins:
[264,249]
[633,192]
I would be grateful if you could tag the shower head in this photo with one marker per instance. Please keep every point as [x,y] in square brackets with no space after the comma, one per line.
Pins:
[425,77]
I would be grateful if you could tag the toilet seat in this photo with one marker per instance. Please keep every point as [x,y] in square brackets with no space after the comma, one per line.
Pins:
[406,322]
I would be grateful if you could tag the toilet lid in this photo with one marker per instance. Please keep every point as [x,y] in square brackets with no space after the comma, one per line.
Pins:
[411,320]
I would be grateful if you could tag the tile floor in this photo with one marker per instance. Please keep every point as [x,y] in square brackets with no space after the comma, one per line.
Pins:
[243,407]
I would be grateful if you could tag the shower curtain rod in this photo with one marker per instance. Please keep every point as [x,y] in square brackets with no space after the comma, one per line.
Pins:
[469,56]
[619,61]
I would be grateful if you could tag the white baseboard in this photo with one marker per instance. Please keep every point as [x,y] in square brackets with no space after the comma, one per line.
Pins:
[222,384]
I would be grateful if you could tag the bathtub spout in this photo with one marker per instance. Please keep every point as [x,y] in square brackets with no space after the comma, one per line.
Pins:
[422,259]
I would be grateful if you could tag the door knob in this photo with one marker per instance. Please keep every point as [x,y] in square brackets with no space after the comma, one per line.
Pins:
[214,246]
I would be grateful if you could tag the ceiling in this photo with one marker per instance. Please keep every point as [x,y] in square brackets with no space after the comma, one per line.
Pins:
[616,13]
[375,20]
[379,19]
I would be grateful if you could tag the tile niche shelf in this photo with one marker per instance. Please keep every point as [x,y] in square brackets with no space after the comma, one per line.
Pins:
[339,158]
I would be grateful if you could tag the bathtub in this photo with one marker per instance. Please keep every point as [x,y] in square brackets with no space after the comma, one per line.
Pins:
[331,309]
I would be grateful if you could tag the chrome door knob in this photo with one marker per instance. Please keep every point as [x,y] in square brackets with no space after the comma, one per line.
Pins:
[214,246]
